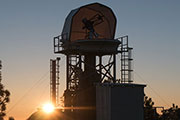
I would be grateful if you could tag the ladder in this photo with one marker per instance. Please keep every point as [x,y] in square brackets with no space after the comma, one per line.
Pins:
[126,61]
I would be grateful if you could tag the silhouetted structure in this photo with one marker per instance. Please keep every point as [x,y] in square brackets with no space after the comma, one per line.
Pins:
[54,81]
[41,115]
[93,91]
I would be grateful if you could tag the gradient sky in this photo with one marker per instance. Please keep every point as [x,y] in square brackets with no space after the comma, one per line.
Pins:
[27,29]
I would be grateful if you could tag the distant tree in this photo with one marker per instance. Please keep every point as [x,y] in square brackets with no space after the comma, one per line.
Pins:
[178,113]
[4,98]
[11,118]
[172,113]
[150,112]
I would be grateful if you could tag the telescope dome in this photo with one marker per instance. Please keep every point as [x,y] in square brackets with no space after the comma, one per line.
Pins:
[92,21]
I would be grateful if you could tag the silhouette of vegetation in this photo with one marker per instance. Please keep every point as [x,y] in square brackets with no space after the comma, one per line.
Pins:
[173,113]
[11,118]
[4,98]
[150,113]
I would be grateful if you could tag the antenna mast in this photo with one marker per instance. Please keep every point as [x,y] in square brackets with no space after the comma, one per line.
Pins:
[54,81]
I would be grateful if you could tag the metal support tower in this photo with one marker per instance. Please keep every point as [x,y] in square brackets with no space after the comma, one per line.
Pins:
[73,71]
[54,81]
[77,63]
[83,70]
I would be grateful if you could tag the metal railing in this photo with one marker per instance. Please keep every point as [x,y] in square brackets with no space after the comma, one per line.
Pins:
[126,60]
[57,44]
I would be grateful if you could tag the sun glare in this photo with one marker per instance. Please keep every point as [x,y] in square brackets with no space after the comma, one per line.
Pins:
[48,108]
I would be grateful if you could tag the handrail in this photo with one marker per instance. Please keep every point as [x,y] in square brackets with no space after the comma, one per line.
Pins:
[57,44]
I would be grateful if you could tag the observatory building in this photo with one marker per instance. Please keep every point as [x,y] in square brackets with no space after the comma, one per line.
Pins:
[97,88]
[93,91]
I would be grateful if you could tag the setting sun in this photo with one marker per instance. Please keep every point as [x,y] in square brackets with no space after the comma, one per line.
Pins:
[48,108]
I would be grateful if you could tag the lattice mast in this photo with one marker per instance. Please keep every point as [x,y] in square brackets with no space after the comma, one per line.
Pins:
[54,81]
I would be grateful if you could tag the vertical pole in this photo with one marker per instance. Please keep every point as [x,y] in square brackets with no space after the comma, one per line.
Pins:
[67,71]
[90,63]
[80,61]
[57,80]
[100,65]
[122,60]
[114,67]
[53,82]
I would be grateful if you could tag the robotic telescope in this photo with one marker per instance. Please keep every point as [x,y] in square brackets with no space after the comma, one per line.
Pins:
[92,88]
